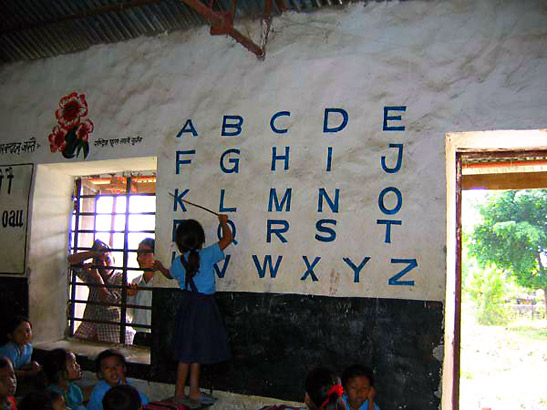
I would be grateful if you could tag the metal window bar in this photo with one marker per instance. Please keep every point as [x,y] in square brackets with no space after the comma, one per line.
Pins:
[125,268]
[72,306]
[125,246]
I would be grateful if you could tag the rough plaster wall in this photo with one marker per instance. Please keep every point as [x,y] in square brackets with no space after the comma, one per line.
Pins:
[456,66]
[48,249]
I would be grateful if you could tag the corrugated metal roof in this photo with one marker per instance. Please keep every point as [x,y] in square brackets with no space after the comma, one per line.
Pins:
[34,29]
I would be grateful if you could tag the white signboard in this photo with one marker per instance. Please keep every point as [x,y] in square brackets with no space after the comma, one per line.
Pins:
[15,183]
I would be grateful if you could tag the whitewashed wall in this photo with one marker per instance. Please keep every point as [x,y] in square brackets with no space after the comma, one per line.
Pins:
[455,66]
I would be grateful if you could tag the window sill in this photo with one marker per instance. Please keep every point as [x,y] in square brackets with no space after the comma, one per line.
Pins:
[90,350]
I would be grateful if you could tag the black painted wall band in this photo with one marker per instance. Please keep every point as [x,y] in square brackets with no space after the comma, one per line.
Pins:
[276,338]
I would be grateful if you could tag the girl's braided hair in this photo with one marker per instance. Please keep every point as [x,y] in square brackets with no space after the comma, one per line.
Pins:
[190,236]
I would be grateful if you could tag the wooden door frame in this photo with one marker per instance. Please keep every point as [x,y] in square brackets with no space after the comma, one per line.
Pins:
[488,144]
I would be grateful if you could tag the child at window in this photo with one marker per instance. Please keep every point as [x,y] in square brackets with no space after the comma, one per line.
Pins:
[122,397]
[111,370]
[359,392]
[19,348]
[147,261]
[200,337]
[8,384]
[61,370]
[100,272]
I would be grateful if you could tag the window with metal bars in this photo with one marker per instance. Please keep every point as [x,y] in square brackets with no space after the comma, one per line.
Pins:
[117,211]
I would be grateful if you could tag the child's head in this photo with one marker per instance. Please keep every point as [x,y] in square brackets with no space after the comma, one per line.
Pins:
[323,390]
[357,381]
[122,397]
[189,235]
[8,381]
[43,400]
[111,366]
[60,365]
[145,253]
[104,258]
[20,330]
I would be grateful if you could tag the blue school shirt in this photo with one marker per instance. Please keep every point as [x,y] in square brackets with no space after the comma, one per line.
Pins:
[74,399]
[205,276]
[97,395]
[18,357]
[364,406]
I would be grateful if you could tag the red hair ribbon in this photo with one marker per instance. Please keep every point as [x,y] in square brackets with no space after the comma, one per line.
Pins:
[335,389]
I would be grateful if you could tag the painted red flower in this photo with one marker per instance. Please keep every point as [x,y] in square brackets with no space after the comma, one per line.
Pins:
[72,108]
[84,129]
[57,139]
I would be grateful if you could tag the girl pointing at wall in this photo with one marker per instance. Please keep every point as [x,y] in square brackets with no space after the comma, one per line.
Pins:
[200,337]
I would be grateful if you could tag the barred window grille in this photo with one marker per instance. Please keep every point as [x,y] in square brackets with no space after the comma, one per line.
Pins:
[120,211]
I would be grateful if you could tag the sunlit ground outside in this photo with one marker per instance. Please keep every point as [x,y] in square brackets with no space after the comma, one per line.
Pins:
[503,366]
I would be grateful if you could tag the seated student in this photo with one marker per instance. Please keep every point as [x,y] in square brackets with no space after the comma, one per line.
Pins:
[100,271]
[8,384]
[323,391]
[122,397]
[19,349]
[61,370]
[111,370]
[43,400]
[359,392]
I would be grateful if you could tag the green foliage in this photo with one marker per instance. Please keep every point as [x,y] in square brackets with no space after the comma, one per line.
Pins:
[513,236]
[489,289]
[530,332]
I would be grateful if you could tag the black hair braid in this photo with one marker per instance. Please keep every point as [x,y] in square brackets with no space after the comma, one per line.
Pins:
[190,236]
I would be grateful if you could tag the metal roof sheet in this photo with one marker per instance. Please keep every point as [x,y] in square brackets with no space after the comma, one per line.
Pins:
[34,29]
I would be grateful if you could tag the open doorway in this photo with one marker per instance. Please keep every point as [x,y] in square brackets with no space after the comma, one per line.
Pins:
[518,149]
[503,258]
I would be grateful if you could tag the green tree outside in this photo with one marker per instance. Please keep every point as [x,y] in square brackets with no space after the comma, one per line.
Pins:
[513,237]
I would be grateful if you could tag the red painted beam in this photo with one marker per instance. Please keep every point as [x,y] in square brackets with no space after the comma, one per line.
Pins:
[221,23]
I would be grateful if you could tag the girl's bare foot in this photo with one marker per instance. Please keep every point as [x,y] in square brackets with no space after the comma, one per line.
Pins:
[179,398]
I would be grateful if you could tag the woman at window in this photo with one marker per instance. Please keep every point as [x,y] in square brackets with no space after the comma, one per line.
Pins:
[99,272]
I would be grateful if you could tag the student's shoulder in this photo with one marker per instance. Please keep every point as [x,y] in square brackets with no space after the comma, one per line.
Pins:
[144,398]
[8,349]
[212,251]
[54,388]
[100,388]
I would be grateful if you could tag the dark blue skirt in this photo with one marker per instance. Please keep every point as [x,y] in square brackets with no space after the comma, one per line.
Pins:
[200,336]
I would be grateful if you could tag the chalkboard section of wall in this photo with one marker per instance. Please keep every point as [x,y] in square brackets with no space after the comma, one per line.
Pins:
[276,338]
[13,302]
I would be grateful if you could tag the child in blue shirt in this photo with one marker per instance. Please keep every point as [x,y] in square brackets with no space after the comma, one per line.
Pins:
[122,397]
[111,369]
[61,370]
[359,392]
[19,349]
[43,400]
[8,384]
[323,391]
[200,337]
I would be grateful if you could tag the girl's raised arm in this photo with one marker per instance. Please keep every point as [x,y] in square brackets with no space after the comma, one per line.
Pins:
[227,237]
[158,266]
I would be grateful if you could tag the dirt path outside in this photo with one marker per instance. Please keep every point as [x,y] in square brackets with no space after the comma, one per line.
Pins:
[503,367]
